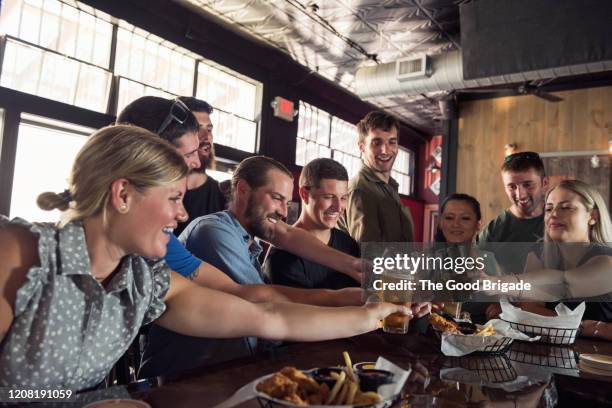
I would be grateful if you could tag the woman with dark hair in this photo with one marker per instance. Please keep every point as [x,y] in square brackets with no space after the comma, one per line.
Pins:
[460,219]
[459,223]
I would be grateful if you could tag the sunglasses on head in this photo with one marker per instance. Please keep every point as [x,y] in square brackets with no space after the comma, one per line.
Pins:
[522,155]
[179,112]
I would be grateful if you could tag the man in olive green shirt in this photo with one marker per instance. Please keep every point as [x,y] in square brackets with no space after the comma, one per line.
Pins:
[374,212]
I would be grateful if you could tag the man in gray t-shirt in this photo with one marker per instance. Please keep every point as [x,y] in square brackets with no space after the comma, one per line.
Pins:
[525,183]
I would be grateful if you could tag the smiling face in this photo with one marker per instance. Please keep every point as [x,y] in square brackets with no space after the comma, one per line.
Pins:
[268,201]
[526,190]
[205,137]
[566,217]
[323,205]
[151,217]
[459,222]
[187,146]
[379,150]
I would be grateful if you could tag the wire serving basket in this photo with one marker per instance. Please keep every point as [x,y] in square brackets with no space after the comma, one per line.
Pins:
[549,335]
[498,347]
[493,369]
[544,355]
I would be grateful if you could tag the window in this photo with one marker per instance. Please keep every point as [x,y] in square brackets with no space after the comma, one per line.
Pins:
[59,27]
[313,134]
[63,79]
[56,51]
[70,52]
[344,143]
[323,135]
[235,100]
[150,60]
[53,145]
[62,50]
[403,170]
[131,90]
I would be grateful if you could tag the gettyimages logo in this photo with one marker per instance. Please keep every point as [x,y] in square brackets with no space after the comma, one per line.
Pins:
[413,264]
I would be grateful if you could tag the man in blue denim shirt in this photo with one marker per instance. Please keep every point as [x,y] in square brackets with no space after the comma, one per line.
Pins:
[222,241]
[261,188]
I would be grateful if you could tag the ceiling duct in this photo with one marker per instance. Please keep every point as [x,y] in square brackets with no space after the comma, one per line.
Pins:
[447,74]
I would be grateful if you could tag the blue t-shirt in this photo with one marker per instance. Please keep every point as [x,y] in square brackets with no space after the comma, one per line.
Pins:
[220,240]
[179,259]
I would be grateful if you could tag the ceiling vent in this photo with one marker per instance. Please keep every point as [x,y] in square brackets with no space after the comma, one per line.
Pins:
[413,68]
[447,74]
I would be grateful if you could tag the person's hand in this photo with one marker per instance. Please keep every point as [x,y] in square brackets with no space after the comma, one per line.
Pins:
[420,309]
[436,306]
[358,265]
[493,311]
[377,311]
[590,328]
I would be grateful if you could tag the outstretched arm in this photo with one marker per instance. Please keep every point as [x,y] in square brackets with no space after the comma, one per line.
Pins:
[211,277]
[198,311]
[305,245]
[593,278]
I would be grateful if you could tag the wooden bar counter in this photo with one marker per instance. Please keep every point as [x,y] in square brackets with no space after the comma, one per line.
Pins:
[527,375]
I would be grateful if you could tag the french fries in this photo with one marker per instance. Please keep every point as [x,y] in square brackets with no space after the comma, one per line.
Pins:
[349,366]
[336,388]
[346,391]
[350,396]
[485,331]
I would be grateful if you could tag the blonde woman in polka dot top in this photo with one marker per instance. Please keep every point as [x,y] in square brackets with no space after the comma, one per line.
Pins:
[73,295]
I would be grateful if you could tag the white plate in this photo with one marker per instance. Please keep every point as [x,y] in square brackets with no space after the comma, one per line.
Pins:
[592,370]
[598,361]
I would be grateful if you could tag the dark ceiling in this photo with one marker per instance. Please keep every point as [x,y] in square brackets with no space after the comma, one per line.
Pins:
[336,37]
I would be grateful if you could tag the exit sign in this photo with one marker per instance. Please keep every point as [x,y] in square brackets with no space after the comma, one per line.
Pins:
[283,109]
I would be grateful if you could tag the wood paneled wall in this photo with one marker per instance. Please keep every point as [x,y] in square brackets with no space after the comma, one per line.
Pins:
[582,121]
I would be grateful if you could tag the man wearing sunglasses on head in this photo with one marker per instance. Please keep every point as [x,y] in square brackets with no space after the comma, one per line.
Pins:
[203,196]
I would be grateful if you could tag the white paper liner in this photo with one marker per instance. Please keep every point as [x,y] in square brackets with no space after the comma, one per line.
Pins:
[565,319]
[399,378]
[457,345]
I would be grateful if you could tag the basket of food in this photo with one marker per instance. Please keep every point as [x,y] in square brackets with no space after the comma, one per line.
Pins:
[329,386]
[462,338]
[377,387]
[561,329]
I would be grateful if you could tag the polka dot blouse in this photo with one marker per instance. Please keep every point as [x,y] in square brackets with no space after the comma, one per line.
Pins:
[68,330]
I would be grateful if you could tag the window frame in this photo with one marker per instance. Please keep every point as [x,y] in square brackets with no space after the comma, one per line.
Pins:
[410,171]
